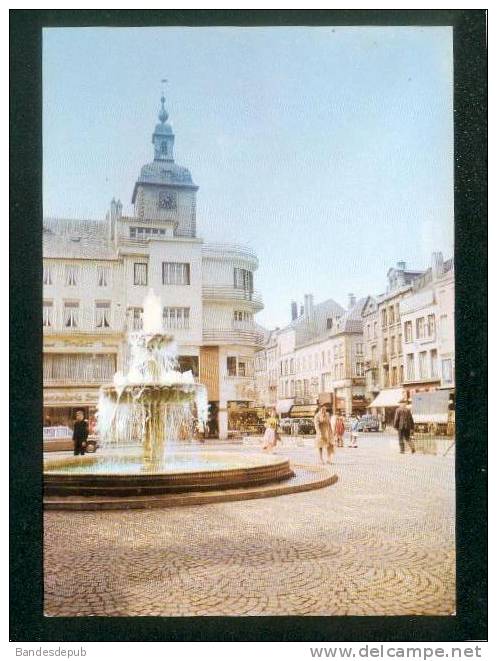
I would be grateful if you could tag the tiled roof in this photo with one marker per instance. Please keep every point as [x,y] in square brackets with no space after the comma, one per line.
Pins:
[76,239]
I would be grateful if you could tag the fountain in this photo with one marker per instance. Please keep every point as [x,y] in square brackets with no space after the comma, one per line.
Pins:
[142,417]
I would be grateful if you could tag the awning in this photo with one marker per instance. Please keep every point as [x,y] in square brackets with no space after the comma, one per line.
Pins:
[386,398]
[301,411]
[283,406]
[431,406]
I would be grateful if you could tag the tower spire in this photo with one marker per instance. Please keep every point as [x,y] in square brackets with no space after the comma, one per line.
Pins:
[163,116]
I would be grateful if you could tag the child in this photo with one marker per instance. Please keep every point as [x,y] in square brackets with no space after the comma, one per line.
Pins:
[354,434]
[271,434]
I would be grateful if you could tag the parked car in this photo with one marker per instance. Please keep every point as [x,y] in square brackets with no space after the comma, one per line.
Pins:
[285,425]
[306,426]
[368,423]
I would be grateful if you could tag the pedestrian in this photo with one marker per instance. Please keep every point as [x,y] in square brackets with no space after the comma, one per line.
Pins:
[80,433]
[339,430]
[354,432]
[404,424]
[271,436]
[324,433]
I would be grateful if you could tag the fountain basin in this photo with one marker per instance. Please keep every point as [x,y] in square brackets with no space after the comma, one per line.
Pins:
[128,475]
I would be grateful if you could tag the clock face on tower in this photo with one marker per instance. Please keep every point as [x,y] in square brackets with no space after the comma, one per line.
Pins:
[167,200]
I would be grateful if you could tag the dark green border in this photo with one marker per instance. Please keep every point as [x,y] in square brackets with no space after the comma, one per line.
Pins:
[470,98]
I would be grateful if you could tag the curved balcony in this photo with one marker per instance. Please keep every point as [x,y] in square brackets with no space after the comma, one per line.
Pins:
[225,251]
[251,337]
[223,294]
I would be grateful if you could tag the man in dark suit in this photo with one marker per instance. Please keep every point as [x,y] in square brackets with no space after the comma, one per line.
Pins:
[404,424]
[80,433]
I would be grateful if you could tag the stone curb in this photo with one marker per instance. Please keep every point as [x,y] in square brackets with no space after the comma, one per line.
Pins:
[306,478]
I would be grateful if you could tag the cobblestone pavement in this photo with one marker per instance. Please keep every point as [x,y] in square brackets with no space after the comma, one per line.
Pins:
[379,542]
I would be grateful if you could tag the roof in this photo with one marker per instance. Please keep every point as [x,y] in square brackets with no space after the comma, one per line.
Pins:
[76,239]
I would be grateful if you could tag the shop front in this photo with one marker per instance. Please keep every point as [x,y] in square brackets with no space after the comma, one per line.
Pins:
[244,418]
[61,404]
[386,403]
[303,411]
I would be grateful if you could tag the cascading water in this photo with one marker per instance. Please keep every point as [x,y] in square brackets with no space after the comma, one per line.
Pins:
[153,404]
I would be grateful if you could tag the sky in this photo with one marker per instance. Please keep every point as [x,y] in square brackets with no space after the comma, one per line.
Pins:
[328,151]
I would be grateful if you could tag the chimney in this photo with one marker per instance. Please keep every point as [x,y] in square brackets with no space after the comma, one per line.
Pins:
[437,265]
[401,266]
[294,310]
[351,300]
[308,305]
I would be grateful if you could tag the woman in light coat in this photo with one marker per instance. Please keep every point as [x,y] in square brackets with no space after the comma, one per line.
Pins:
[324,434]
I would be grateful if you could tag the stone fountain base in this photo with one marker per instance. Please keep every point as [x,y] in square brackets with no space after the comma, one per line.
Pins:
[101,475]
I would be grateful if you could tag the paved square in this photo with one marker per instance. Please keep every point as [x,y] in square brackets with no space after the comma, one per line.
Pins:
[379,542]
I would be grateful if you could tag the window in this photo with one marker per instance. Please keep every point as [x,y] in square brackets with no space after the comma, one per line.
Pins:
[384,318]
[47,275]
[336,370]
[397,312]
[410,367]
[242,369]
[408,331]
[102,276]
[102,315]
[401,377]
[335,351]
[375,329]
[178,318]
[359,369]
[71,275]
[136,318]
[141,274]
[422,365]
[391,314]
[298,388]
[392,345]
[292,388]
[431,325]
[394,376]
[322,359]
[399,344]
[47,313]
[243,279]
[447,374]
[306,387]
[434,363]
[231,365]
[145,232]
[444,328]
[243,318]
[71,313]
[292,366]
[329,357]
[175,273]
[358,348]
[329,323]
[420,328]
[373,353]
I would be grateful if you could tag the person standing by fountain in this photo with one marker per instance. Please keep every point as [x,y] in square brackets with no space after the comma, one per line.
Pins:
[271,434]
[80,433]
[324,433]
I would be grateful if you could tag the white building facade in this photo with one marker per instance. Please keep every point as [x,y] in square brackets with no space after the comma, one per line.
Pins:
[95,278]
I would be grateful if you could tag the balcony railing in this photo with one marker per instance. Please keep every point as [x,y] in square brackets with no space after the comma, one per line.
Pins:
[223,293]
[232,336]
[85,322]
